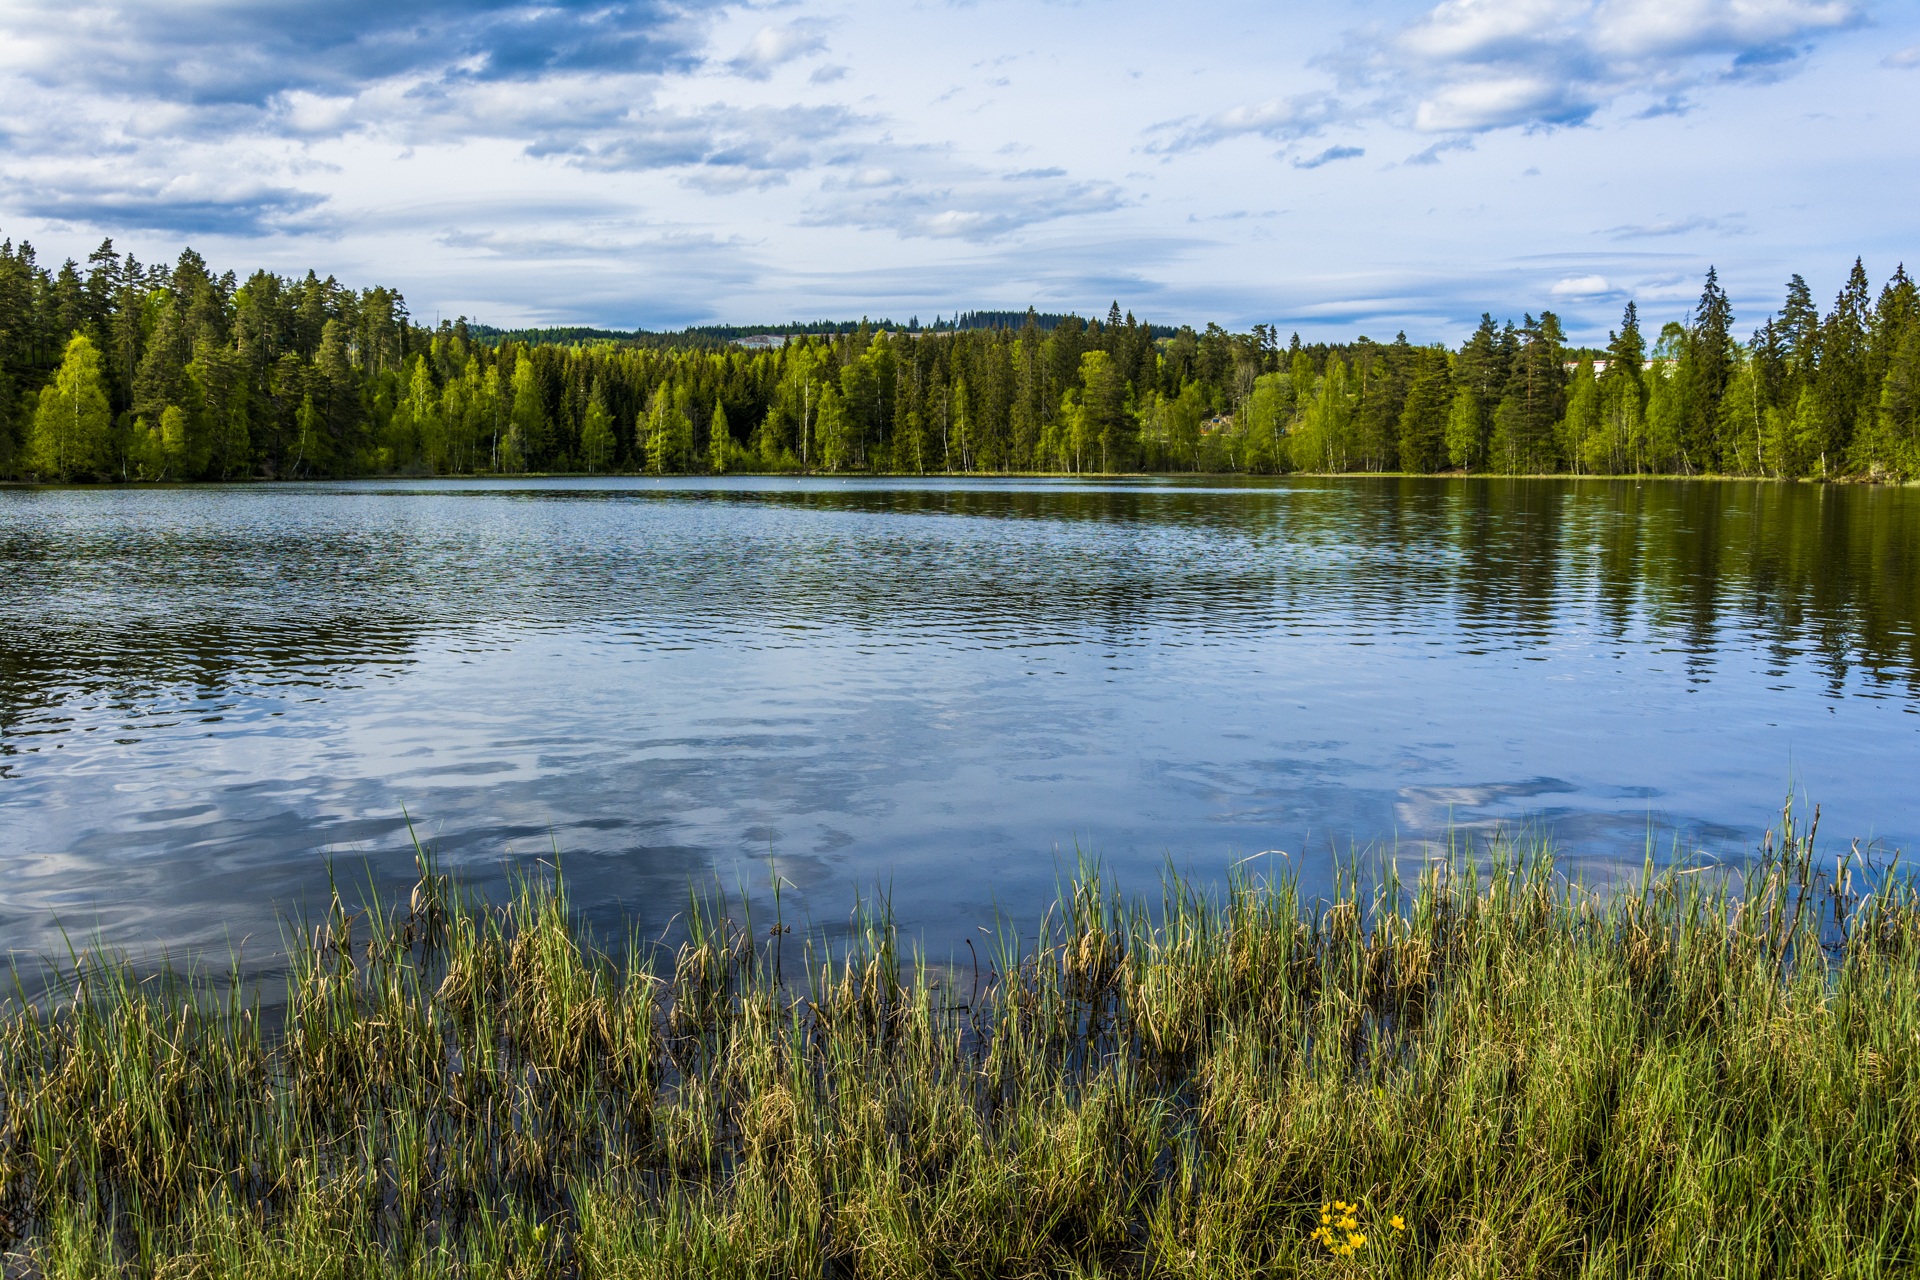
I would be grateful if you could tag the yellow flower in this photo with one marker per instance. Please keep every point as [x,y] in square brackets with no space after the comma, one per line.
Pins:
[1397,1222]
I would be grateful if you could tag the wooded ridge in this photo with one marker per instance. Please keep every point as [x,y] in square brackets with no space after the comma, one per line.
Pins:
[124,371]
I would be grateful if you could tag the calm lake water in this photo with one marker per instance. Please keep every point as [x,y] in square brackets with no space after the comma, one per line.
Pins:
[937,690]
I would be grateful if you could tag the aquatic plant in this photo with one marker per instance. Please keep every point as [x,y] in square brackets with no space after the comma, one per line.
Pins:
[1489,1069]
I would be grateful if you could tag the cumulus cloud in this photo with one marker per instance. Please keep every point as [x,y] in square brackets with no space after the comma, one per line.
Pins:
[236,51]
[1467,66]
[1464,67]
[774,47]
[1581,287]
[230,96]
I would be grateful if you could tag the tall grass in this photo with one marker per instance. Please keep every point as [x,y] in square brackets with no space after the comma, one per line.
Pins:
[1489,1071]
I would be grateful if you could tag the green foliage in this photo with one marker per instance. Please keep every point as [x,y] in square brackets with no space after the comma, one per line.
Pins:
[1466,429]
[596,432]
[1265,416]
[720,446]
[526,441]
[1488,1070]
[1582,432]
[71,422]
[1524,437]
[1324,440]
[1424,417]
[668,433]
[282,376]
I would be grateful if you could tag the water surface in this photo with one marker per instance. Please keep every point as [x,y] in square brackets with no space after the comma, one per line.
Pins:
[940,690]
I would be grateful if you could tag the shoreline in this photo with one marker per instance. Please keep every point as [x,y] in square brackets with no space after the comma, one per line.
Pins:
[1850,481]
[1518,1071]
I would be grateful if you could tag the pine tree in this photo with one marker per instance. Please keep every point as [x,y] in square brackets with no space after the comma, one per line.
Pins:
[1879,449]
[1526,418]
[1104,402]
[1423,418]
[1482,368]
[1708,362]
[1622,389]
[334,446]
[1842,374]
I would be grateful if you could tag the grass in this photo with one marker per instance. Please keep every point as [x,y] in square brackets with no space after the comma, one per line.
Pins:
[1489,1071]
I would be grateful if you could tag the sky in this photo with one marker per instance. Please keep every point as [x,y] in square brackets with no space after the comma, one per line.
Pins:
[1330,168]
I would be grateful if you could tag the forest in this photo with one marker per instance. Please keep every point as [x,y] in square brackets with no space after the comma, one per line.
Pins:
[121,371]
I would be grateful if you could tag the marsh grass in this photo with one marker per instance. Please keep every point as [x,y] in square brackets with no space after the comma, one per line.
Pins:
[1486,1071]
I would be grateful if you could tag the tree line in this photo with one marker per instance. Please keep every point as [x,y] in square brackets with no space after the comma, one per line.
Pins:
[128,371]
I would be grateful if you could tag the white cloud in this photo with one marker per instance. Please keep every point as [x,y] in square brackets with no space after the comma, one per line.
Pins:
[773,47]
[1328,156]
[1581,287]
[1474,65]
[1678,28]
[925,195]
[617,161]
[719,147]
[1667,227]
[1276,120]
[1904,59]
[1474,105]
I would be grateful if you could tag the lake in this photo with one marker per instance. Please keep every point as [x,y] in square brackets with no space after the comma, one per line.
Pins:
[941,691]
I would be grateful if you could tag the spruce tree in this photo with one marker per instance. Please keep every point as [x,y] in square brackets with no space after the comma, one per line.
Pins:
[1423,417]
[1842,373]
[1708,363]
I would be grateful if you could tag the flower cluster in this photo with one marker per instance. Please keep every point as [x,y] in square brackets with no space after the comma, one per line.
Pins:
[1339,1228]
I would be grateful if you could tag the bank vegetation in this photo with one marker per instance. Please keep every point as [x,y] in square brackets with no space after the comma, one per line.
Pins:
[1482,1069]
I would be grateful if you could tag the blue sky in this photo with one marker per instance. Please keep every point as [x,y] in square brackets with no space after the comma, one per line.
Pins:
[1337,169]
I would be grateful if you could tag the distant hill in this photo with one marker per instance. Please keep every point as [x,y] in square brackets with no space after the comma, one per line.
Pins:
[718,334]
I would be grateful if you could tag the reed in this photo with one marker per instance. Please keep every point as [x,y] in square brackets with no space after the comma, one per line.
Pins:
[1487,1071]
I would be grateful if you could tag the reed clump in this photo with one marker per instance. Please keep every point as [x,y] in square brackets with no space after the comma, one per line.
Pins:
[1488,1071]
